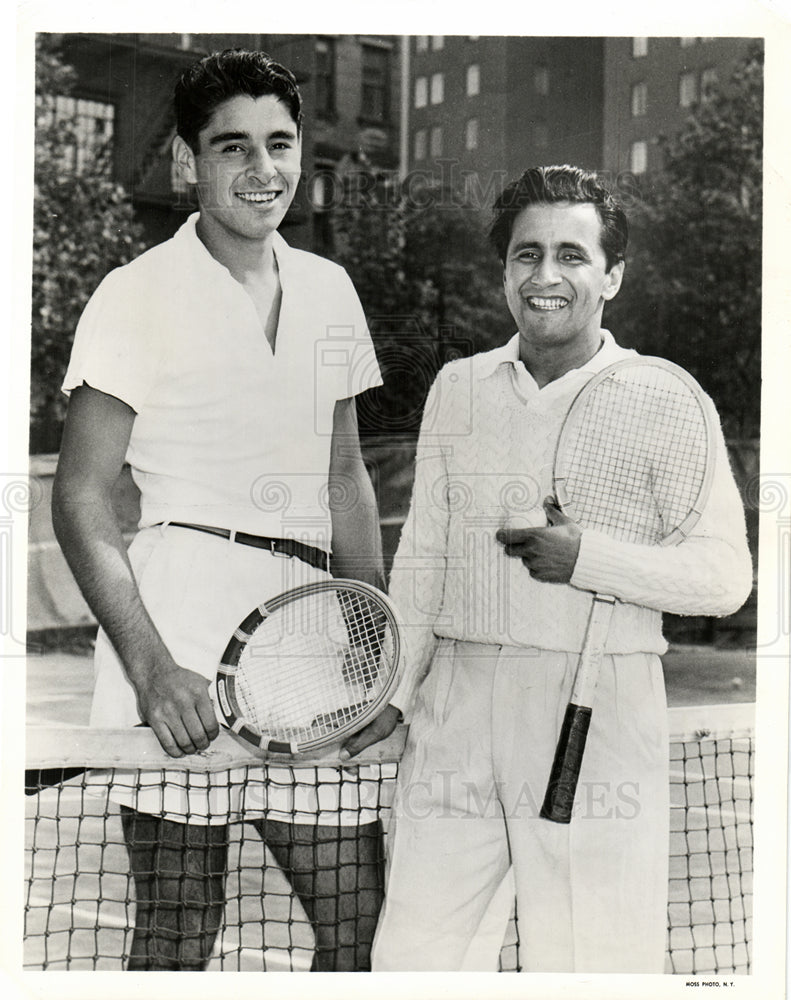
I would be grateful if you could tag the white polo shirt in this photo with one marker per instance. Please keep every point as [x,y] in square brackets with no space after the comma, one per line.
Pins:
[228,432]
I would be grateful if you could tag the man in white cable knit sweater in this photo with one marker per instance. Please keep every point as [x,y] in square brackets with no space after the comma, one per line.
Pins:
[494,584]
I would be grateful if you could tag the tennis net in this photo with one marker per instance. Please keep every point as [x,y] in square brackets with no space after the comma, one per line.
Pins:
[80,905]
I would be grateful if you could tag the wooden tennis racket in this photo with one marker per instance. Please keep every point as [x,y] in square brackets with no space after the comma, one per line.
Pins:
[635,461]
[309,667]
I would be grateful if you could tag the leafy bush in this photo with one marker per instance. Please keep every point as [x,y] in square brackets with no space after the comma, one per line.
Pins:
[83,227]
[430,285]
[692,290]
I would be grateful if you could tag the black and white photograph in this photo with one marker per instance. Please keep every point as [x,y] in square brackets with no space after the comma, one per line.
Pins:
[395,520]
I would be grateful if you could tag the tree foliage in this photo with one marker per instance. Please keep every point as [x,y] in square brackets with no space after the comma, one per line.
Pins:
[429,283]
[83,227]
[692,290]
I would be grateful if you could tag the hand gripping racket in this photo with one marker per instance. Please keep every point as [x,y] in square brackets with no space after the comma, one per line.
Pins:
[634,460]
[309,667]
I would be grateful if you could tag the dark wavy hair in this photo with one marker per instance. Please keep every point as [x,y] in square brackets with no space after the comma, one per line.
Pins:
[548,185]
[222,75]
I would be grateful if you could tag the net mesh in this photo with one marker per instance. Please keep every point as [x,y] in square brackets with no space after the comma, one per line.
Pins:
[711,846]
[80,899]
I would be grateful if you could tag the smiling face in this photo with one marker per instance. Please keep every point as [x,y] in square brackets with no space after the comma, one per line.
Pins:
[246,168]
[557,281]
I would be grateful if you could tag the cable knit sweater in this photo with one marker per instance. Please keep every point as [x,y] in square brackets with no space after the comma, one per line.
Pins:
[484,461]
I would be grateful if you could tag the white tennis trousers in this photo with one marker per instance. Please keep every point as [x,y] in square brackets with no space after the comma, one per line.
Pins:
[592,894]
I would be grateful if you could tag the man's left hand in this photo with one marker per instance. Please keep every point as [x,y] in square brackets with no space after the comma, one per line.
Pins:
[550,553]
[381,727]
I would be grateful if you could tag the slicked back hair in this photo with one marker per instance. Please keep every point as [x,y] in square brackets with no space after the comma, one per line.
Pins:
[550,185]
[203,86]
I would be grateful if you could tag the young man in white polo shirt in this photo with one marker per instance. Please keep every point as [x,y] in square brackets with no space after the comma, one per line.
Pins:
[222,366]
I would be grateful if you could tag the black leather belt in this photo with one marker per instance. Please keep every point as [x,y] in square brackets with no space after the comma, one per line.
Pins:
[277,546]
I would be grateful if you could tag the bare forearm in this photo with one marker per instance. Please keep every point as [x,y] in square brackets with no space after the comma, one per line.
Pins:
[171,698]
[356,536]
[89,534]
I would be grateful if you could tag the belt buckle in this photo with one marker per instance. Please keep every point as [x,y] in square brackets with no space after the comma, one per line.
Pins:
[274,551]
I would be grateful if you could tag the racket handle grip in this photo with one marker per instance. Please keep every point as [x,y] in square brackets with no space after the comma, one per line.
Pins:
[563,778]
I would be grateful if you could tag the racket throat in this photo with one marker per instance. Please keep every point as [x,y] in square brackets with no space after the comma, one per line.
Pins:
[593,648]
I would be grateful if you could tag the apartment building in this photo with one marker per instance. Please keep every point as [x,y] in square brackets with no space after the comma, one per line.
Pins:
[482,108]
[123,102]
[651,86]
[471,111]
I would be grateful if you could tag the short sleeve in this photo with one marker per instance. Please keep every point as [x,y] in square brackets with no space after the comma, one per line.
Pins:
[346,356]
[113,347]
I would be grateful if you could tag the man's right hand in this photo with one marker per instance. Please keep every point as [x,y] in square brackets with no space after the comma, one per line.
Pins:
[175,703]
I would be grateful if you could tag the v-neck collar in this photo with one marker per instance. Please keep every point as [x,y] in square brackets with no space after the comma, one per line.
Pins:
[209,264]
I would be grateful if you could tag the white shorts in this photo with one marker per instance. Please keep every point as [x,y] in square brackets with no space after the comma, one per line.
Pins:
[198,588]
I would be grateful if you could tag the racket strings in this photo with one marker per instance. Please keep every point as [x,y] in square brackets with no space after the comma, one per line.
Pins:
[313,665]
[633,461]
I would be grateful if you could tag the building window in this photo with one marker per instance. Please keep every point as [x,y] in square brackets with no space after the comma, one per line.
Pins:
[420,144]
[687,89]
[473,80]
[687,43]
[638,160]
[322,188]
[421,43]
[708,82]
[639,47]
[437,88]
[436,141]
[471,133]
[437,42]
[91,125]
[541,80]
[322,194]
[473,38]
[325,77]
[421,92]
[639,99]
[375,83]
